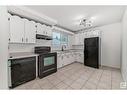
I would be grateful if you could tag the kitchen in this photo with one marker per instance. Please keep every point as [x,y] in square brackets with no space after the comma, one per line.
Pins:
[53,51]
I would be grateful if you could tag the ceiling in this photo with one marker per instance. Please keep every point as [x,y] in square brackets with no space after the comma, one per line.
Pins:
[69,16]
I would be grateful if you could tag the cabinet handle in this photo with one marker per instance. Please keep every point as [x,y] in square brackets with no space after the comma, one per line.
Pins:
[9,39]
[22,39]
[8,19]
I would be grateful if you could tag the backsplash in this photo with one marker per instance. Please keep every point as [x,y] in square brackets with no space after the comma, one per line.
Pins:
[28,47]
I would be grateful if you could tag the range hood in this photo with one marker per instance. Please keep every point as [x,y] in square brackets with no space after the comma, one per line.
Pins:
[38,36]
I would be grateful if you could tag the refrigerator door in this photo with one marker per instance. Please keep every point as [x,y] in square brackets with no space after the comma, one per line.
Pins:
[91,52]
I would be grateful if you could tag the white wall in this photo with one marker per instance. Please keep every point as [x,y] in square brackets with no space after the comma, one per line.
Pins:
[111,45]
[3,47]
[124,46]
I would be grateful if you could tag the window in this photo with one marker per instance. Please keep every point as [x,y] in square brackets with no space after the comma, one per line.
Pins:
[56,38]
[64,39]
[59,39]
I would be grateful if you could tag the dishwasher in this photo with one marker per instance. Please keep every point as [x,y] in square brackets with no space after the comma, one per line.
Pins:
[21,71]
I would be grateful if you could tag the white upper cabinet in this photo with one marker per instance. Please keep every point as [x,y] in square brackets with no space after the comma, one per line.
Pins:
[30,31]
[43,29]
[21,30]
[81,38]
[49,31]
[40,29]
[77,39]
[16,29]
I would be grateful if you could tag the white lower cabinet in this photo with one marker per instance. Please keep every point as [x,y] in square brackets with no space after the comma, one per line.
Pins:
[79,57]
[64,59]
[82,58]
[76,56]
[71,58]
[59,61]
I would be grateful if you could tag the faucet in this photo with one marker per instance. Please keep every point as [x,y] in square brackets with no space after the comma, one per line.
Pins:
[63,46]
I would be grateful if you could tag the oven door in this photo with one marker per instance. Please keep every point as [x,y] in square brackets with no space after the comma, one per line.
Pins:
[47,64]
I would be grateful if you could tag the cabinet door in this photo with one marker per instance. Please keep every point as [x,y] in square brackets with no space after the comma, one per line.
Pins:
[30,31]
[16,29]
[82,58]
[76,39]
[49,31]
[44,29]
[68,59]
[81,38]
[59,61]
[72,40]
[40,29]
[76,57]
[79,58]
[64,59]
[73,57]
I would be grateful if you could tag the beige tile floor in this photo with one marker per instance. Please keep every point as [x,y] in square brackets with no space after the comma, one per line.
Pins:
[77,76]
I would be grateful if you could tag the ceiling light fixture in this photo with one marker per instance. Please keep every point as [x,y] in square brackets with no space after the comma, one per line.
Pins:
[86,22]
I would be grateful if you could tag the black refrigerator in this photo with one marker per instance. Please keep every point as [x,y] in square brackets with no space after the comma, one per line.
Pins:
[92,52]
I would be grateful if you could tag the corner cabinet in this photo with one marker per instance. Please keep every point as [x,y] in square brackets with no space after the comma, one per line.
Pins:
[21,30]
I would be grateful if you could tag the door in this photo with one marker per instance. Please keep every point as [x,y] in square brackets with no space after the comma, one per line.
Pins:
[16,29]
[30,31]
[91,52]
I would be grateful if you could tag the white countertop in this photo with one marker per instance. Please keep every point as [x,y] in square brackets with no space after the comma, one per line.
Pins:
[17,55]
[68,51]
[21,55]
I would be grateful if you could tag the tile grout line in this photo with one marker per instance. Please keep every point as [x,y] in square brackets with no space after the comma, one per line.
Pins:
[87,80]
[99,78]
